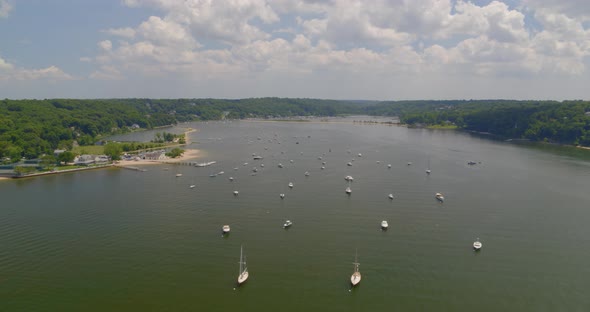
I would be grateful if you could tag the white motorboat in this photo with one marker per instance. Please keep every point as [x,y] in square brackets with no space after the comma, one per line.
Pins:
[231,178]
[291,184]
[349,164]
[287,224]
[348,178]
[282,195]
[257,157]
[384,225]
[192,186]
[243,274]
[225,229]
[389,166]
[477,245]
[355,278]
[245,164]
[390,196]
[439,196]
[236,193]
[220,172]
[178,175]
[280,165]
[291,161]
[306,174]
[323,168]
[348,190]
[236,168]
[262,165]
[428,171]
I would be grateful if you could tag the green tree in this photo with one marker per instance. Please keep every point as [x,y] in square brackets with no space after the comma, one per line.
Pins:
[113,150]
[175,152]
[48,161]
[66,157]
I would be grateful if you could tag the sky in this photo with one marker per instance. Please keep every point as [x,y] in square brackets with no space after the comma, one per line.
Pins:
[329,49]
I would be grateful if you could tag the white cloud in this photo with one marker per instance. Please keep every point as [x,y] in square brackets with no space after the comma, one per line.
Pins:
[578,9]
[5,8]
[125,32]
[403,40]
[105,45]
[10,72]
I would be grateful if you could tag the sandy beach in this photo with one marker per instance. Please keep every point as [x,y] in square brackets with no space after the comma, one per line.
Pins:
[189,154]
[4,178]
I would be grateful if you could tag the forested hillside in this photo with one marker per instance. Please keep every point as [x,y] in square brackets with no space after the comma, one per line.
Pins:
[561,122]
[30,128]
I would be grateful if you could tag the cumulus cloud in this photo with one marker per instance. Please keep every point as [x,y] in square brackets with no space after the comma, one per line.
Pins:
[126,32]
[105,45]
[10,72]
[579,9]
[5,8]
[391,39]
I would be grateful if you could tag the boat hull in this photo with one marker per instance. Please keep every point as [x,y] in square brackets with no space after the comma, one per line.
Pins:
[355,279]
[243,277]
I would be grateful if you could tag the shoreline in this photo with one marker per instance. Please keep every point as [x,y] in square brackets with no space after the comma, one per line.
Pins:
[188,154]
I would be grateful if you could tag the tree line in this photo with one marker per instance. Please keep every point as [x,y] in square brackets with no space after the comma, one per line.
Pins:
[32,128]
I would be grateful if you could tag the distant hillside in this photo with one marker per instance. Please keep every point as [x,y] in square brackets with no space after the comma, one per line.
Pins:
[30,128]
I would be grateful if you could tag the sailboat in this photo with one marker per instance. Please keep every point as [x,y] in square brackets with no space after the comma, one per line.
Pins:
[243,274]
[356,276]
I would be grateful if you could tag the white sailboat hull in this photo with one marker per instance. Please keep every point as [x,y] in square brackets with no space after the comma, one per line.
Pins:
[243,277]
[355,278]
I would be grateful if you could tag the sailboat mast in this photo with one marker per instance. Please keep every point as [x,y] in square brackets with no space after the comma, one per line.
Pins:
[241,257]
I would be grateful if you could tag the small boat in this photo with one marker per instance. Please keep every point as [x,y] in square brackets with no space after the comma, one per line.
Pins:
[262,165]
[428,171]
[280,165]
[349,164]
[477,245]
[245,164]
[178,175]
[287,224]
[291,161]
[225,229]
[348,190]
[320,158]
[323,168]
[360,155]
[257,157]
[355,278]
[236,193]
[306,174]
[282,195]
[378,161]
[192,186]
[384,225]
[348,178]
[389,166]
[409,163]
[213,175]
[254,169]
[291,184]
[220,173]
[439,196]
[236,168]
[243,274]
[471,163]
[390,196]
[231,178]
[323,163]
